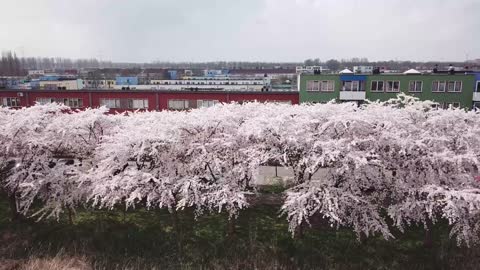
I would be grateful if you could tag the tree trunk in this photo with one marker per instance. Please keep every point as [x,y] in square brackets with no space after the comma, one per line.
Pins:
[70,215]
[13,207]
[299,232]
[231,227]
[178,235]
[428,240]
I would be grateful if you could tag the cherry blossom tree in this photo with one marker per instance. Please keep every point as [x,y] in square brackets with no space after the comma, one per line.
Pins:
[48,144]
[371,168]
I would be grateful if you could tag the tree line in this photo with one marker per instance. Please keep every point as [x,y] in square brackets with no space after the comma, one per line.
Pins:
[12,65]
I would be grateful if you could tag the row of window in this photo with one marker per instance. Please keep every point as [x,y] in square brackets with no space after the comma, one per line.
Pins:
[70,102]
[387,86]
[446,105]
[101,82]
[209,83]
[10,102]
[352,86]
[183,104]
[324,86]
[124,103]
[416,86]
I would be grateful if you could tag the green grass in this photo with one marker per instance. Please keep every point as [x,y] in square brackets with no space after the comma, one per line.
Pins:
[144,239]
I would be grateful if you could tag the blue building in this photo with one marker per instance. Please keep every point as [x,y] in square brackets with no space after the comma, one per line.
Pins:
[50,78]
[126,80]
[172,74]
[216,72]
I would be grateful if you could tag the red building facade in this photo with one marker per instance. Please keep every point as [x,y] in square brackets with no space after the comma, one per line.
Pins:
[121,100]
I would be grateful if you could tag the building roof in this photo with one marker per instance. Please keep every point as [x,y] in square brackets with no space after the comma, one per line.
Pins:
[412,71]
[263,71]
[346,71]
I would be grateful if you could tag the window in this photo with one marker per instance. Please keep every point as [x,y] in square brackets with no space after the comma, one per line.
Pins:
[351,86]
[477,88]
[138,103]
[110,103]
[392,86]
[313,86]
[327,86]
[447,105]
[206,103]
[439,86]
[457,87]
[451,86]
[73,102]
[377,86]
[11,102]
[415,86]
[178,104]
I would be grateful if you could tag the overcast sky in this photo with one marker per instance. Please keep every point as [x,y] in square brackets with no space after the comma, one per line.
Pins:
[247,30]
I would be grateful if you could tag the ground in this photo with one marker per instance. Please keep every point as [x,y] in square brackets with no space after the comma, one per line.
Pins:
[258,239]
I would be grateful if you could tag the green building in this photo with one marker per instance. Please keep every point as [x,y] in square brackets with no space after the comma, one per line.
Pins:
[458,90]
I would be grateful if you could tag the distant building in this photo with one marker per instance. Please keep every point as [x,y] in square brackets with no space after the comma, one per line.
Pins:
[309,69]
[99,84]
[459,89]
[36,72]
[215,72]
[362,69]
[172,74]
[203,83]
[126,80]
[62,84]
[50,78]
[272,73]
[34,84]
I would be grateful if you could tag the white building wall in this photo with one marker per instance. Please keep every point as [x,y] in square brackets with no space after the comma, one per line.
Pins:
[352,95]
[476,96]
[68,85]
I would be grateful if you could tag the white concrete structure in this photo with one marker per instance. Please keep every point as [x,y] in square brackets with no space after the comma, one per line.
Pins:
[352,95]
[281,176]
[62,85]
[476,96]
[36,72]
[309,69]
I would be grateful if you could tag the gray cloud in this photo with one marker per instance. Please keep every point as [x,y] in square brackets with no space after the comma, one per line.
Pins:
[271,30]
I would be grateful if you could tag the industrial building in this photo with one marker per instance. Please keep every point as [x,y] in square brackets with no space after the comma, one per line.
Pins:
[458,89]
[151,100]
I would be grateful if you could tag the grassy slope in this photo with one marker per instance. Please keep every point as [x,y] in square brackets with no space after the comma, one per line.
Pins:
[143,239]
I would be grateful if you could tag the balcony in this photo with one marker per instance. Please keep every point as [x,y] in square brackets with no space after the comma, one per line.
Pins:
[352,95]
[476,96]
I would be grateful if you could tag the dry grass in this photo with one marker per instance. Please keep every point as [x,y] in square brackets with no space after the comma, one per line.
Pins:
[58,262]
